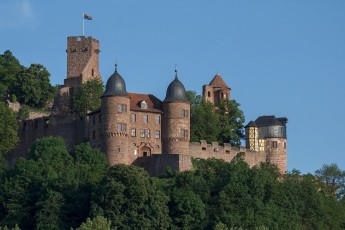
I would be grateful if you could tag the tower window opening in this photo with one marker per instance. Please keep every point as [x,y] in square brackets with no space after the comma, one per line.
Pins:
[133,132]
[133,117]
[92,72]
[157,134]
[146,118]
[158,120]
[122,108]
[184,113]
[121,127]
[208,94]
[184,133]
[274,144]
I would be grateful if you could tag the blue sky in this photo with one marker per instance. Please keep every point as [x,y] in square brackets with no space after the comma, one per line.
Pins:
[283,58]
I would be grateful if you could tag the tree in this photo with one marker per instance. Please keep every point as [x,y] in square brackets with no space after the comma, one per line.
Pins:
[204,121]
[9,69]
[231,119]
[128,198]
[8,129]
[97,223]
[334,179]
[87,97]
[33,86]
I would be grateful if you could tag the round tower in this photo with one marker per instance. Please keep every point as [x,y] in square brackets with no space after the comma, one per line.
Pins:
[176,119]
[273,131]
[115,120]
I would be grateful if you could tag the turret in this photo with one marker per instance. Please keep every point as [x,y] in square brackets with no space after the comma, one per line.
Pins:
[273,131]
[216,91]
[115,120]
[176,119]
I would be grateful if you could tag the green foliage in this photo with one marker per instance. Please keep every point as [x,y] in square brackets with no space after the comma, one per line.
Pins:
[87,97]
[128,198]
[97,223]
[23,112]
[333,178]
[30,86]
[8,129]
[223,124]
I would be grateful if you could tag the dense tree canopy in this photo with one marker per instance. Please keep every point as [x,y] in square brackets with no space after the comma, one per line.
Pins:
[88,97]
[30,86]
[58,189]
[8,129]
[223,123]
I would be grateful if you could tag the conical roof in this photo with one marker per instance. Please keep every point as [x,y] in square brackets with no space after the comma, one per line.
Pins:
[115,86]
[218,82]
[176,91]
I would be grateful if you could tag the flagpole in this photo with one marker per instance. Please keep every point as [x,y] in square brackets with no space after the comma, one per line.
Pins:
[83,24]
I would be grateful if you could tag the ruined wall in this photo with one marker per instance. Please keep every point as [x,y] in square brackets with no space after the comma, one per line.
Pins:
[69,127]
[226,152]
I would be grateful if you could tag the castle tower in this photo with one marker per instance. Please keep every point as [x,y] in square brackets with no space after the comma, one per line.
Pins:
[82,65]
[176,120]
[272,139]
[252,136]
[115,120]
[217,90]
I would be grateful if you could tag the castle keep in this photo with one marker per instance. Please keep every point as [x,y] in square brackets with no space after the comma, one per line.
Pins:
[140,129]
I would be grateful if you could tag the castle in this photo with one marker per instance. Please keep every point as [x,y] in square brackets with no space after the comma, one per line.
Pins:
[140,129]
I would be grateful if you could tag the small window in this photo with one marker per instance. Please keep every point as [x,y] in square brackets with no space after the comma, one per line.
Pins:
[274,144]
[158,120]
[284,145]
[133,117]
[184,133]
[121,127]
[184,113]
[142,133]
[122,108]
[203,148]
[157,134]
[143,105]
[147,133]
[133,132]
[146,118]
[92,72]
[208,94]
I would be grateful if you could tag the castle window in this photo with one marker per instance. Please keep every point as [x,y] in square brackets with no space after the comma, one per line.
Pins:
[158,120]
[203,148]
[146,118]
[227,151]
[121,127]
[122,108]
[133,132]
[157,134]
[147,133]
[208,94]
[92,72]
[133,117]
[184,133]
[284,145]
[184,113]
[274,144]
[143,105]
[142,132]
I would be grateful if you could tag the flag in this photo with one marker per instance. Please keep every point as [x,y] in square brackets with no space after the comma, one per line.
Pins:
[87,17]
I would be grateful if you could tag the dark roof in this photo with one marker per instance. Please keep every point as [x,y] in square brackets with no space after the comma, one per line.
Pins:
[115,86]
[218,82]
[176,92]
[153,103]
[250,124]
[270,121]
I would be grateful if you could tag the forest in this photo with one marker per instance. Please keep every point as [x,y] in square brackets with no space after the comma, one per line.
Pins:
[58,188]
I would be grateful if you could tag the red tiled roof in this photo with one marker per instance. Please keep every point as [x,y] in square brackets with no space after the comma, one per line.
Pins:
[153,103]
[218,82]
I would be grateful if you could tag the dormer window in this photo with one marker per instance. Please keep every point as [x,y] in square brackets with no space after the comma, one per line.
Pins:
[143,105]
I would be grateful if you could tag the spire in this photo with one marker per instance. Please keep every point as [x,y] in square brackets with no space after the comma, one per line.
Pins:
[116,67]
[176,72]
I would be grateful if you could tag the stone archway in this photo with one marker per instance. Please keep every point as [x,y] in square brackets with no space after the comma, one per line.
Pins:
[145,151]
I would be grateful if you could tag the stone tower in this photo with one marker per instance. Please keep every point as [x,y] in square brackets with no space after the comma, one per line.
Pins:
[216,91]
[115,120]
[82,65]
[268,134]
[176,119]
